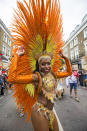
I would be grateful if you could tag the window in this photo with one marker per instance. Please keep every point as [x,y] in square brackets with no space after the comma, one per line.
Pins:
[8,53]
[75,41]
[9,42]
[4,50]
[5,38]
[85,43]
[76,52]
[85,33]
[66,51]
[72,55]
[71,44]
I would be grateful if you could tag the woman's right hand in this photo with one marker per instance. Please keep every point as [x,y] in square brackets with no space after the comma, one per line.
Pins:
[61,54]
[20,50]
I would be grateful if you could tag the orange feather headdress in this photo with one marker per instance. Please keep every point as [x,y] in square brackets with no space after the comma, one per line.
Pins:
[38,26]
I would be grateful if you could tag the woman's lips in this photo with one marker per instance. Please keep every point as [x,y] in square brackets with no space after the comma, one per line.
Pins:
[47,70]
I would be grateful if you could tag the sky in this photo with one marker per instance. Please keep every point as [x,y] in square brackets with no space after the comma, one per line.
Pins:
[72,11]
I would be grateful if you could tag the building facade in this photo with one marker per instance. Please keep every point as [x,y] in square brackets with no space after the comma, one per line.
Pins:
[76,45]
[5,45]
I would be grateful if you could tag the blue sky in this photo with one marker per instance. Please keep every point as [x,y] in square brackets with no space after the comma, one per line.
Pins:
[72,10]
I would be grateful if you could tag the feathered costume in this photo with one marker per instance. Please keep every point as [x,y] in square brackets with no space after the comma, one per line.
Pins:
[38,27]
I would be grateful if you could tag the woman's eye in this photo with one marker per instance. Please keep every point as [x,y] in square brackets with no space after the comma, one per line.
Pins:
[43,64]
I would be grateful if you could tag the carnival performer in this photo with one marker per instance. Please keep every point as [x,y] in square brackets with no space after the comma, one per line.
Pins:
[36,60]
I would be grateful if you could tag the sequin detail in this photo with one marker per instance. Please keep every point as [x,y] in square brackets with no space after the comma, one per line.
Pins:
[49,86]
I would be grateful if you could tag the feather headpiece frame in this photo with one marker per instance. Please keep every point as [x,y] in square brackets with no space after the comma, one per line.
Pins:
[38,26]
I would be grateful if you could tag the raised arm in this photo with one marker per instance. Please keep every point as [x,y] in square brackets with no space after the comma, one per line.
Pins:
[69,68]
[17,78]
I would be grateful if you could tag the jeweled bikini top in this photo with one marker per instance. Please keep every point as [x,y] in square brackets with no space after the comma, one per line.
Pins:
[49,86]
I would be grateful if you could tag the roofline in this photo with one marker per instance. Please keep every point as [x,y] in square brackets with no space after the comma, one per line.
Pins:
[80,28]
[3,26]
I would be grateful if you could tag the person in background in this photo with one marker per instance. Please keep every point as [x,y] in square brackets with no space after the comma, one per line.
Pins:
[0,80]
[85,79]
[81,76]
[75,73]
[0,71]
[1,84]
[72,81]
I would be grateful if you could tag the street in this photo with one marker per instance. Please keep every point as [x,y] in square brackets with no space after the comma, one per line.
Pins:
[72,114]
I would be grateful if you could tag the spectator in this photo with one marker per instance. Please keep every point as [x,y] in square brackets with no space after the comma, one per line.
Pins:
[85,79]
[0,72]
[75,73]
[81,76]
[72,82]
[1,85]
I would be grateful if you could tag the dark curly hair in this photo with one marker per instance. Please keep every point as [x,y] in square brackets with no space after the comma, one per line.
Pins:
[37,67]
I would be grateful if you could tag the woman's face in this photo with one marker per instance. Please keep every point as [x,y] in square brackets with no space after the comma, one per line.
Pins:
[45,65]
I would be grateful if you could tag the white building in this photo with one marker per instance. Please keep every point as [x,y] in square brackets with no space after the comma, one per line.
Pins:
[5,45]
[76,45]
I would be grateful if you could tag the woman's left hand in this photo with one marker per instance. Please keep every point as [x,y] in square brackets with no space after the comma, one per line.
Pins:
[61,54]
